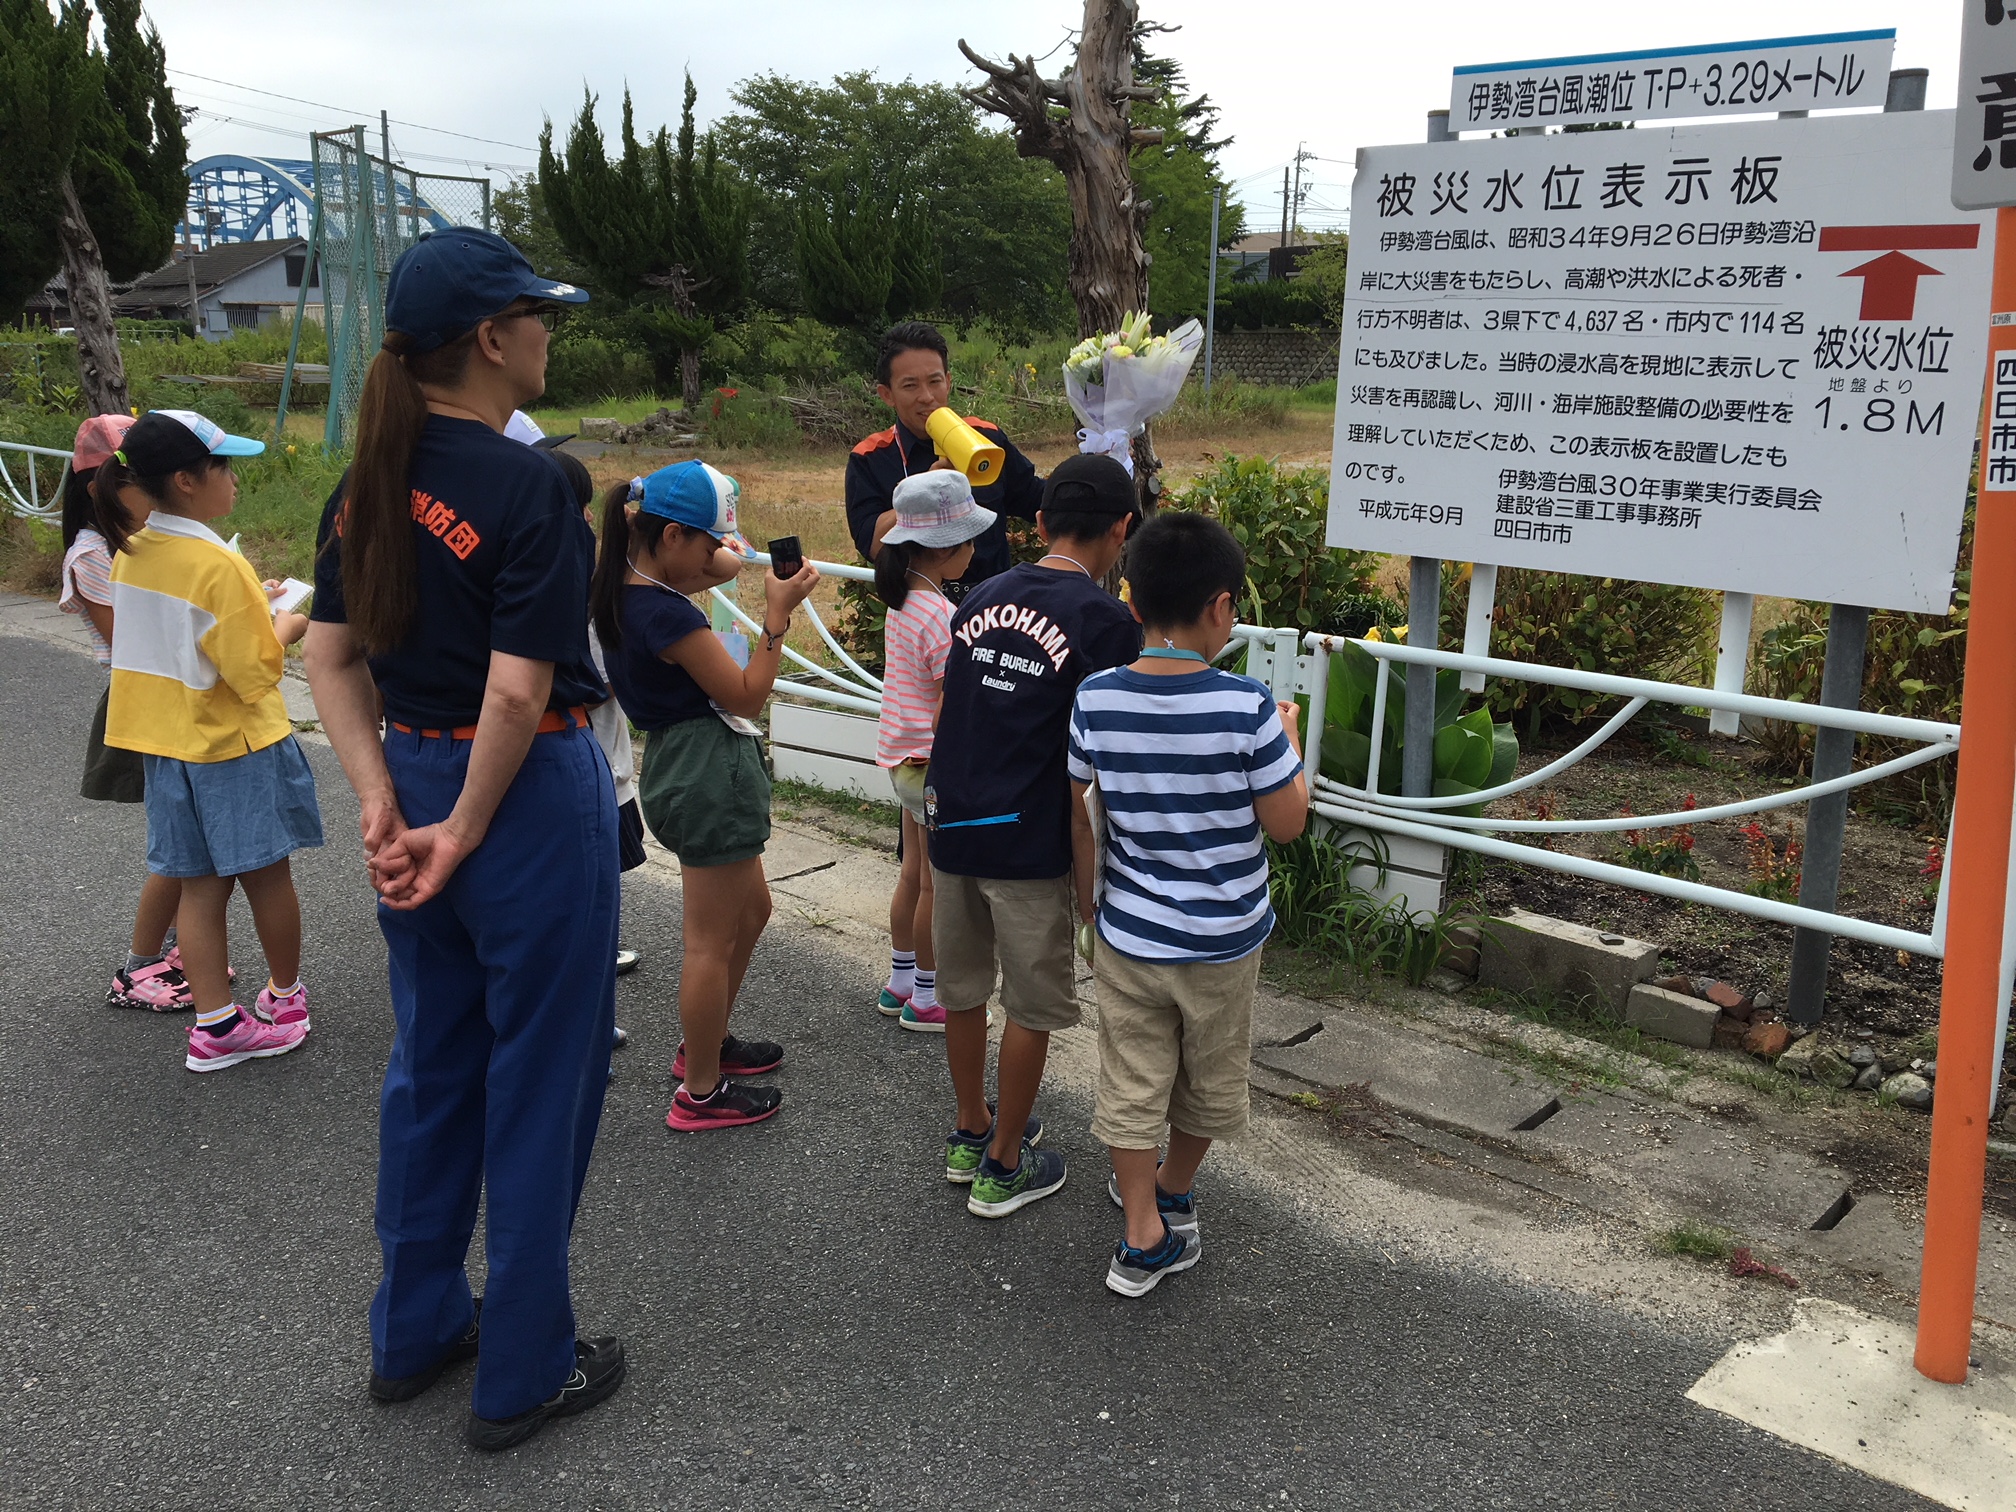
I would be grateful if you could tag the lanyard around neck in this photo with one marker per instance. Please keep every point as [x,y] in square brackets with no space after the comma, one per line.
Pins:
[1173,653]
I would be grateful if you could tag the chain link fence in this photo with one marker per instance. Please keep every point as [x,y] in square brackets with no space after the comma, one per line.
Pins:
[367,212]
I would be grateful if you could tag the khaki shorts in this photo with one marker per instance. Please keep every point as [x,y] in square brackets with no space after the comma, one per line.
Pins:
[908,780]
[1027,926]
[1175,1047]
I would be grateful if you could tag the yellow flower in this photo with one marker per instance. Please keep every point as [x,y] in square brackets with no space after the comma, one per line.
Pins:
[1374,635]
[135,412]
[290,451]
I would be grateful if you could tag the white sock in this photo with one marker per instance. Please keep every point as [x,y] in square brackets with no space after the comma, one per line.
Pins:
[902,972]
[926,995]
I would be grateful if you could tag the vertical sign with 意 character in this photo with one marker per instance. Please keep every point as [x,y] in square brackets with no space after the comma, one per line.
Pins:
[1974,991]
[1984,130]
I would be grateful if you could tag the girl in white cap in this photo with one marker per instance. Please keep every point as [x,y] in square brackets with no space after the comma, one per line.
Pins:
[937,523]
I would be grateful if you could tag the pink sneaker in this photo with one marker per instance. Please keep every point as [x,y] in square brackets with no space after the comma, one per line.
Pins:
[251,1040]
[158,988]
[284,1011]
[174,958]
[924,1020]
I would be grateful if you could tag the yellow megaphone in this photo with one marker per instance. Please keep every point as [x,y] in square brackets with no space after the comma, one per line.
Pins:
[966,449]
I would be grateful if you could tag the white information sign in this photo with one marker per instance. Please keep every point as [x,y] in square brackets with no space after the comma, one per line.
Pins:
[1984,127]
[1833,72]
[1744,356]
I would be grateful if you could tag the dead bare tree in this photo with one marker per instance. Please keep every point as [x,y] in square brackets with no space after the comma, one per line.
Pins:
[1081,122]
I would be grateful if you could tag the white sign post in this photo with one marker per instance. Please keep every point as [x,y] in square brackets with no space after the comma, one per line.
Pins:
[1837,71]
[1742,357]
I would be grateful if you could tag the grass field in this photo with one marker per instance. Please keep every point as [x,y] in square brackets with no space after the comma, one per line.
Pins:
[789,490]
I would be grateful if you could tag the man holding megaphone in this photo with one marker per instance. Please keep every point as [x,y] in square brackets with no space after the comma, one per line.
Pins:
[913,377]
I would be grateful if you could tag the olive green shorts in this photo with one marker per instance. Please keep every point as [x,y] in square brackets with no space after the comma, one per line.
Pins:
[705,793]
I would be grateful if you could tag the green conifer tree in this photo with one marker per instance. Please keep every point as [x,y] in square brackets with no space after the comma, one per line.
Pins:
[664,228]
[93,180]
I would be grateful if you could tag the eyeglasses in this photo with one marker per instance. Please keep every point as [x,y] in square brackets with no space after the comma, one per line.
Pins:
[549,316]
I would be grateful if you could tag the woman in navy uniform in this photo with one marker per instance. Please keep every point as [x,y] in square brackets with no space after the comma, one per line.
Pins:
[452,582]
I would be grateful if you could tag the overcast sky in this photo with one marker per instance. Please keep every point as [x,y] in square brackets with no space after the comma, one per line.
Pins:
[1334,76]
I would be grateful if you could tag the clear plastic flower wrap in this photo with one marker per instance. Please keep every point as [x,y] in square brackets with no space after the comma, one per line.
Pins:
[1119,380]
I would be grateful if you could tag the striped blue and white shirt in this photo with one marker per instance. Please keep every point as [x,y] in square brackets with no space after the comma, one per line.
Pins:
[1178,762]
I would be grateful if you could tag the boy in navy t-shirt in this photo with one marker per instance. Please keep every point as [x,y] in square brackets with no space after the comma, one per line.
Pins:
[1194,767]
[1004,848]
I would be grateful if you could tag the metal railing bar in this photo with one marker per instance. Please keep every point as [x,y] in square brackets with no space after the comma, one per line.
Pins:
[1761,805]
[1650,882]
[1534,778]
[804,661]
[827,696]
[1893,725]
[835,569]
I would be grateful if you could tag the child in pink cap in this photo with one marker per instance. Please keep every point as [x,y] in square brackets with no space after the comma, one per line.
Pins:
[152,975]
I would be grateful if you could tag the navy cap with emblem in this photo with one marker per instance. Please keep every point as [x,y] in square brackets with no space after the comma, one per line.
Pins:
[450,281]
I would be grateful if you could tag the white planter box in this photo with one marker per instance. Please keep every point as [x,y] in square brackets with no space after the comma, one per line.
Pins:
[828,749]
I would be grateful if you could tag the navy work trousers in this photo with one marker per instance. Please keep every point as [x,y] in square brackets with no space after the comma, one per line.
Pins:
[504,997]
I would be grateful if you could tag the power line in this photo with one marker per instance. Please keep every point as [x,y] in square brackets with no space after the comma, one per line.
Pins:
[346,110]
[425,157]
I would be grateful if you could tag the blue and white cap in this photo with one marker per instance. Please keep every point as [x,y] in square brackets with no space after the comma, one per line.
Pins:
[691,493]
[165,441]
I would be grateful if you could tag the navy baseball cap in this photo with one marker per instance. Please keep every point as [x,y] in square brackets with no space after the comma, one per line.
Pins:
[450,281]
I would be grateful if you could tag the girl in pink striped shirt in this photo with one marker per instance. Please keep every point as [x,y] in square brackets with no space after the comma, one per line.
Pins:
[931,541]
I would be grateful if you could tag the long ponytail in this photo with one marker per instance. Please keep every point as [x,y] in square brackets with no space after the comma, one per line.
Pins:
[612,560]
[109,515]
[892,572]
[380,563]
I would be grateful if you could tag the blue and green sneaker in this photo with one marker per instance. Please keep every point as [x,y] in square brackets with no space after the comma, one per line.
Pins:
[964,1152]
[889,1005]
[997,1192]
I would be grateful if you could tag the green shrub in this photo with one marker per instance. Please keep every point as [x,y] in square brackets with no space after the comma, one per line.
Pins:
[749,422]
[1253,406]
[1280,515]
[1630,629]
[581,369]
[1269,305]
[1914,668]
[1471,752]
[766,349]
[1318,906]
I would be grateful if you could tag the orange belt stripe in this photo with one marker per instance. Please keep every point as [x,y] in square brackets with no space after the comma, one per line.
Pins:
[555,720]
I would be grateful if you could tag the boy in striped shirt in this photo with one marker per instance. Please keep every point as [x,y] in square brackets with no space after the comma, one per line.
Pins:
[1191,765]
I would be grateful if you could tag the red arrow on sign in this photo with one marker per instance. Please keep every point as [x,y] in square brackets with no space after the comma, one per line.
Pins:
[1890,285]
[1890,282]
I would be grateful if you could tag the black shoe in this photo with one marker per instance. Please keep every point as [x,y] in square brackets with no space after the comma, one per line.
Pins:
[405,1388]
[598,1371]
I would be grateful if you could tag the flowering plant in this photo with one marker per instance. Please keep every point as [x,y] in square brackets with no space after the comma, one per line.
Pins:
[1119,380]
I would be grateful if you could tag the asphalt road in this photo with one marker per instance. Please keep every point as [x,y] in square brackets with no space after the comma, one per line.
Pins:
[812,1318]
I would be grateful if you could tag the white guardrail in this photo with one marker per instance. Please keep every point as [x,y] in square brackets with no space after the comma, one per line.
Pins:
[1294,664]
[29,505]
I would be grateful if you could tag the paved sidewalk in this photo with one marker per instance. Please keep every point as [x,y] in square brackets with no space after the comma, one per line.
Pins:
[813,1319]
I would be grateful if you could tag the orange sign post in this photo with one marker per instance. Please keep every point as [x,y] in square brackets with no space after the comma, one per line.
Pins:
[1980,861]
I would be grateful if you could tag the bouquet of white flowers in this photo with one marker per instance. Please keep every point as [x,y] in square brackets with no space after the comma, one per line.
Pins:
[1120,380]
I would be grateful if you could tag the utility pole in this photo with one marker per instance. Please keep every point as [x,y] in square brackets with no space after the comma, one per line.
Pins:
[1284,208]
[1211,295]
[1302,155]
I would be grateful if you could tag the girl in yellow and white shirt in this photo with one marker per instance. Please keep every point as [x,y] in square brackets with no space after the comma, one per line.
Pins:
[196,671]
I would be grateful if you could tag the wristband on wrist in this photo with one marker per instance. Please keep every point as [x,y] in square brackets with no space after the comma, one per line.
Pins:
[771,637]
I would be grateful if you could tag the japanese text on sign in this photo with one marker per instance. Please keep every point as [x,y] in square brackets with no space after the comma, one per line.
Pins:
[1833,72]
[1984,127]
[1739,356]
